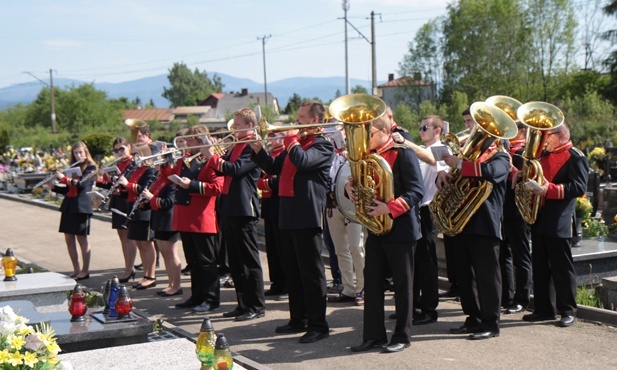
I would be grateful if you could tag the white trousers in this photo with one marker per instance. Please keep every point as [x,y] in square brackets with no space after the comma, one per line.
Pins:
[348,239]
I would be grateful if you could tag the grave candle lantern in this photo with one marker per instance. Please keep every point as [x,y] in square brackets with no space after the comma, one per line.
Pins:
[205,345]
[124,304]
[9,263]
[222,355]
[78,306]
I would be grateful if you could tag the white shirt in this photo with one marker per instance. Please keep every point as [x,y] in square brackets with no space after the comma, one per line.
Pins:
[429,174]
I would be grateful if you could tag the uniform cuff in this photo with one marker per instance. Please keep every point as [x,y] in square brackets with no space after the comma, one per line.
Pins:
[397,207]
[471,169]
[555,191]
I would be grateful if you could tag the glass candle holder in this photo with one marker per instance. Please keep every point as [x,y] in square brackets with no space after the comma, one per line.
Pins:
[9,263]
[78,306]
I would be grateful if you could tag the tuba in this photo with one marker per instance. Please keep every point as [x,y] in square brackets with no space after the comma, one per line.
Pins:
[539,117]
[371,174]
[135,125]
[455,204]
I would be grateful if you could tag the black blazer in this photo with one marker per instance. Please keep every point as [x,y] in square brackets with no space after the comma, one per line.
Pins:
[510,210]
[270,206]
[161,219]
[555,217]
[306,209]
[82,203]
[408,184]
[242,199]
[488,218]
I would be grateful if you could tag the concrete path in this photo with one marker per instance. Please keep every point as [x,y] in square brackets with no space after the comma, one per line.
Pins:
[31,232]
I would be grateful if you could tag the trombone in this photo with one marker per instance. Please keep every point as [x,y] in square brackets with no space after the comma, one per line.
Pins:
[263,129]
[160,157]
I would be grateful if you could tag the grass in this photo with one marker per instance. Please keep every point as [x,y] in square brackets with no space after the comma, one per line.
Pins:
[587,296]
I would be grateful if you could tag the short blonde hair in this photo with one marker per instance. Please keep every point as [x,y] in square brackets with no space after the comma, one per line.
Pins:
[383,122]
[247,114]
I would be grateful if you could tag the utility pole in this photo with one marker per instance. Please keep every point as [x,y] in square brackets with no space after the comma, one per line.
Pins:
[345,9]
[373,56]
[53,105]
[263,45]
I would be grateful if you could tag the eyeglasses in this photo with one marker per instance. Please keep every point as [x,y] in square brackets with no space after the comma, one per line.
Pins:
[374,132]
[119,150]
[425,128]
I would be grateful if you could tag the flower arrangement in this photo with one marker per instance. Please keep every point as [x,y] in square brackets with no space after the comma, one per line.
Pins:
[596,159]
[25,347]
[583,208]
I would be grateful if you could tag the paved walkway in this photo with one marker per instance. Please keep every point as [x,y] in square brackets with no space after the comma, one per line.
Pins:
[31,232]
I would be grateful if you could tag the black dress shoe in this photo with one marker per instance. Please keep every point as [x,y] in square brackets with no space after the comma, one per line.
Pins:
[450,293]
[534,317]
[340,298]
[189,303]
[397,347]
[515,308]
[235,313]
[313,336]
[424,319]
[165,294]
[464,329]
[139,267]
[566,321]
[369,344]
[274,293]
[250,315]
[484,334]
[289,329]
[205,307]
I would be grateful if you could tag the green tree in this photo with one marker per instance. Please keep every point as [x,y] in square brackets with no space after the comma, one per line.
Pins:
[358,89]
[293,104]
[189,88]
[425,53]
[405,117]
[486,48]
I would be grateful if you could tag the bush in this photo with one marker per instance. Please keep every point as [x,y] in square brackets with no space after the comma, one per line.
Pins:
[99,143]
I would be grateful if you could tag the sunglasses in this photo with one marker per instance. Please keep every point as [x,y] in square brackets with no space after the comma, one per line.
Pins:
[119,150]
[425,128]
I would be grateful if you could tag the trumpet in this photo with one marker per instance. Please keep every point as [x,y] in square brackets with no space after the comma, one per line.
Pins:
[52,175]
[455,141]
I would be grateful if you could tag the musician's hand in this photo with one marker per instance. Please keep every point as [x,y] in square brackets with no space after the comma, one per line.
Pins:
[184,182]
[398,138]
[443,179]
[123,181]
[379,209]
[257,146]
[207,152]
[543,191]
[350,190]
[516,176]
[59,175]
[147,195]
[451,160]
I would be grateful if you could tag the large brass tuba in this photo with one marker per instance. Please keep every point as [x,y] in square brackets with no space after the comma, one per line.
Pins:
[371,174]
[135,125]
[539,117]
[455,204]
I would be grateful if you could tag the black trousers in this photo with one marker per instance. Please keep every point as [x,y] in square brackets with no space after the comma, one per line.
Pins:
[479,278]
[515,262]
[306,279]
[425,286]
[450,250]
[243,254]
[200,252]
[553,265]
[275,264]
[399,257]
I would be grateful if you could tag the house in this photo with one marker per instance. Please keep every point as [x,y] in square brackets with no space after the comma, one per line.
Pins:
[222,106]
[181,114]
[408,90]
[163,116]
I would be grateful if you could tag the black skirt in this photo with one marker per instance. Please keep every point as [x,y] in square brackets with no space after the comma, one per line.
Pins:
[122,205]
[171,236]
[75,223]
[140,230]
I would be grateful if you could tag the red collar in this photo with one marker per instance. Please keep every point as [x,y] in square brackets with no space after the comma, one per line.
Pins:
[563,147]
[385,146]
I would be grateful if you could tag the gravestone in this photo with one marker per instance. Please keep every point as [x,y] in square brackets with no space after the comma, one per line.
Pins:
[46,290]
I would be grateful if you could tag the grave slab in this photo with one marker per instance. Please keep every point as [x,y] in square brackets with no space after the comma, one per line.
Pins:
[46,290]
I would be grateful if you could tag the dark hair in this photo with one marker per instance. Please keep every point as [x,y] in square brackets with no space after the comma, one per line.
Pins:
[145,130]
[466,112]
[121,141]
[316,109]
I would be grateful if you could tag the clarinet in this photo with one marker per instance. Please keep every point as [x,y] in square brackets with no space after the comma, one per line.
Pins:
[138,202]
[104,202]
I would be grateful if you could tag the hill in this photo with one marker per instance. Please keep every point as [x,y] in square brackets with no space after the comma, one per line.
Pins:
[148,88]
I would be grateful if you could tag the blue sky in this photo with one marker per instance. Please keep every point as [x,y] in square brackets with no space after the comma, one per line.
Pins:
[113,41]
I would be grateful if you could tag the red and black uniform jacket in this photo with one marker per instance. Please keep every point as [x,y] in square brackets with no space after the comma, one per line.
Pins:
[239,195]
[76,198]
[118,200]
[162,204]
[194,209]
[268,184]
[510,210]
[141,178]
[303,172]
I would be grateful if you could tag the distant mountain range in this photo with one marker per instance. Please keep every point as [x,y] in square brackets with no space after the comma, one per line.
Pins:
[148,88]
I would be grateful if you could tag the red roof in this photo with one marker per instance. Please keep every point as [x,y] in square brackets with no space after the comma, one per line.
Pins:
[405,81]
[148,114]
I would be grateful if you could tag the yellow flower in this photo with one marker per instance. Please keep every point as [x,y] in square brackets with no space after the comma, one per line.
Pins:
[4,356]
[16,342]
[30,359]
[15,359]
